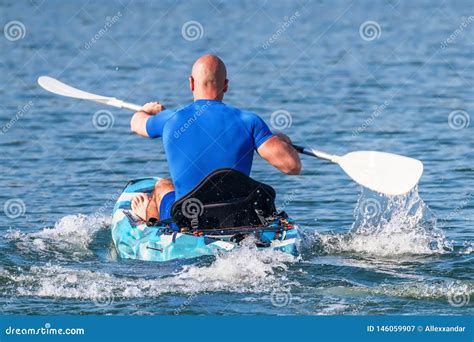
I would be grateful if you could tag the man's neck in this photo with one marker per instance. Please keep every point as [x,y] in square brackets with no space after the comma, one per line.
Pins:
[210,97]
[206,99]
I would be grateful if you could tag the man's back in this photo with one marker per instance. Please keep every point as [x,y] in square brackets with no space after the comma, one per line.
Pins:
[205,136]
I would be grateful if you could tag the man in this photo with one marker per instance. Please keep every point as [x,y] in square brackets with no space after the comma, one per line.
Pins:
[204,136]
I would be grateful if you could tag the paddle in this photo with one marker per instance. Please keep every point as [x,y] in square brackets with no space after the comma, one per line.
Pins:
[386,173]
[54,86]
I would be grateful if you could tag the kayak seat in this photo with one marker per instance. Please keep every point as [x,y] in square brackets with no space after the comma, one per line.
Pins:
[225,198]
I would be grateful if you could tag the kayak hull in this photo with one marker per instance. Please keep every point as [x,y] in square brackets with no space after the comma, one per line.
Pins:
[136,240]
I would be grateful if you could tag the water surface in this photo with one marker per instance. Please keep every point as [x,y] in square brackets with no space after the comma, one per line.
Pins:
[344,90]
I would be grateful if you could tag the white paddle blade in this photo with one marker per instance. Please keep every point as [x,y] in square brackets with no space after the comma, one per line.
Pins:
[386,173]
[54,86]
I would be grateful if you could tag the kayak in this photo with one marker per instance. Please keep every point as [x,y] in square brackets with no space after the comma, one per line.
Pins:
[135,239]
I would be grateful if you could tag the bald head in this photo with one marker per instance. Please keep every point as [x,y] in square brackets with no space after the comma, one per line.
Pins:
[209,78]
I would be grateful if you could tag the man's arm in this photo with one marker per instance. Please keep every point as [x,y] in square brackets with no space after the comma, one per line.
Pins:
[279,152]
[139,119]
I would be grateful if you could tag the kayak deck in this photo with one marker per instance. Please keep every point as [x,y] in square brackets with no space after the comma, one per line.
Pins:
[135,240]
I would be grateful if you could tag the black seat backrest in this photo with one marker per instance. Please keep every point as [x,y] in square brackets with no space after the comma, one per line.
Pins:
[223,199]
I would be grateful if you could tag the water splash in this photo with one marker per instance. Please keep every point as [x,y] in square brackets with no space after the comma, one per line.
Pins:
[386,226]
[70,237]
[244,270]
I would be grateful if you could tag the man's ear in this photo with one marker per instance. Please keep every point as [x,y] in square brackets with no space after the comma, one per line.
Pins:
[191,83]
[226,85]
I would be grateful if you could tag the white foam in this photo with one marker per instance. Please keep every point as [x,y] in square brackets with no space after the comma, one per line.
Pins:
[427,290]
[71,234]
[243,270]
[386,227]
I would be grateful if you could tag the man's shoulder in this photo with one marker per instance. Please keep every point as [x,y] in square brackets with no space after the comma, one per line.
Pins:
[184,108]
[178,112]
[243,113]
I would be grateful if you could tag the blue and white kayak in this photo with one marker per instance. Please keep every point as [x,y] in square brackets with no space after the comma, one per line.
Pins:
[133,239]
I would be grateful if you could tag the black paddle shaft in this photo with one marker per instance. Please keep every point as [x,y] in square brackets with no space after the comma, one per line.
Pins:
[302,150]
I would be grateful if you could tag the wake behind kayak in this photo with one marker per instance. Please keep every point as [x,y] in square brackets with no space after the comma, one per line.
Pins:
[227,208]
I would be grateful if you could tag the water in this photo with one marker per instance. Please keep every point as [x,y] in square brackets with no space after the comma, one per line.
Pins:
[361,253]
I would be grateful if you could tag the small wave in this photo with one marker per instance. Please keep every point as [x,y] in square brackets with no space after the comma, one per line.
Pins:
[243,270]
[455,293]
[467,248]
[388,226]
[72,234]
[431,290]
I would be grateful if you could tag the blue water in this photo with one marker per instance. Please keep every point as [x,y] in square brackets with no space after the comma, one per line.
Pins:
[345,89]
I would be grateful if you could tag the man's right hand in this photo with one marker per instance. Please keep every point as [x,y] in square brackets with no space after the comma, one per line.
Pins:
[151,108]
